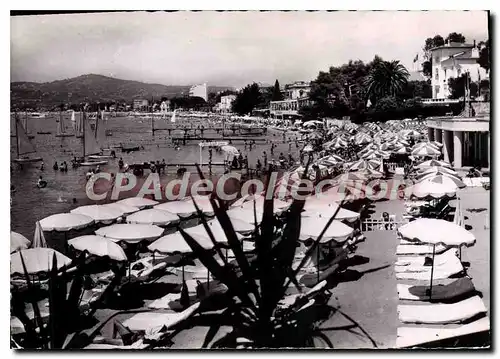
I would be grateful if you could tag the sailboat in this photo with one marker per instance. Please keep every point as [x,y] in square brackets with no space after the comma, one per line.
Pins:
[78,125]
[90,145]
[61,131]
[100,136]
[24,146]
[25,125]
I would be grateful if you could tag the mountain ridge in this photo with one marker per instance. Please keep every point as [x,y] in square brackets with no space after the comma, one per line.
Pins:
[92,88]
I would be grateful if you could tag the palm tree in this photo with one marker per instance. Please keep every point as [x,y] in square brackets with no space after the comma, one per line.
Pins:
[386,78]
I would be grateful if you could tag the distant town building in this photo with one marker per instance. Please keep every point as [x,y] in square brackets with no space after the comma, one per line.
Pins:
[296,96]
[296,90]
[199,91]
[140,104]
[225,104]
[452,60]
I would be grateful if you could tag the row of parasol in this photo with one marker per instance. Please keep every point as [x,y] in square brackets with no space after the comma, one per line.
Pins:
[147,224]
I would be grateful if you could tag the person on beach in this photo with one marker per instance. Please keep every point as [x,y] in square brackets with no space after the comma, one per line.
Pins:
[258,166]
[240,161]
[42,167]
[265,159]
[55,167]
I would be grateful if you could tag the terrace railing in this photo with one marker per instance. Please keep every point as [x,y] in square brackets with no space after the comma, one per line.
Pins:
[371,224]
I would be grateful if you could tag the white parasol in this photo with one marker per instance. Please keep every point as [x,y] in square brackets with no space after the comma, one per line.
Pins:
[64,222]
[153,216]
[37,260]
[99,213]
[138,202]
[99,246]
[130,232]
[18,242]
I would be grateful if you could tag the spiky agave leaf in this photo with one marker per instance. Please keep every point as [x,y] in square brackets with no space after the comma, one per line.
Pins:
[209,232]
[234,243]
[285,250]
[315,244]
[267,272]
[36,309]
[224,274]
[57,310]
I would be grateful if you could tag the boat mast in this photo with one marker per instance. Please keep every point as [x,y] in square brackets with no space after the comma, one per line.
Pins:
[83,130]
[17,136]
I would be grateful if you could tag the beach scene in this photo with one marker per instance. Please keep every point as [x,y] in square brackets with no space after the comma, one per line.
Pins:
[203,198]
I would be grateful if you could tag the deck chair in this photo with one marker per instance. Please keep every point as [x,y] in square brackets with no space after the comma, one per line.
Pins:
[138,345]
[416,249]
[442,313]
[146,320]
[455,289]
[420,260]
[413,336]
[311,278]
[446,270]
[440,260]
[173,300]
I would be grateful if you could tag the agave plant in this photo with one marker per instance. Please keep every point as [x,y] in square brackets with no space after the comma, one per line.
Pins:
[258,288]
[65,319]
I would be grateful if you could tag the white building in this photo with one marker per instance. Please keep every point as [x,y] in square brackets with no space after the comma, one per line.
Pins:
[296,90]
[296,96]
[225,104]
[451,61]
[140,104]
[199,91]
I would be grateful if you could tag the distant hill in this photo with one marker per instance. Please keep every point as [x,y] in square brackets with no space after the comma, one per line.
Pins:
[91,88]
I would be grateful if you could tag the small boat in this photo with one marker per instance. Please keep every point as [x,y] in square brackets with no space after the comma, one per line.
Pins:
[37,115]
[93,163]
[109,133]
[100,157]
[130,149]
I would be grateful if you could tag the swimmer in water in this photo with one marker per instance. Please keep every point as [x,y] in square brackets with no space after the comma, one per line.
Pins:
[41,183]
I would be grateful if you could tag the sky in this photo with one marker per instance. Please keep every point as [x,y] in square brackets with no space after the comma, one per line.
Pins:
[223,48]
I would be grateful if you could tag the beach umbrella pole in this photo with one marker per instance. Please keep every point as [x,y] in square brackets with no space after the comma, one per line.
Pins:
[432,270]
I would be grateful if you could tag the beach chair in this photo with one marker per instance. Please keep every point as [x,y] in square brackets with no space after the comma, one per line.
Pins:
[416,249]
[451,268]
[421,260]
[414,336]
[456,289]
[442,313]
[312,275]
[146,320]
[197,291]
[440,260]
